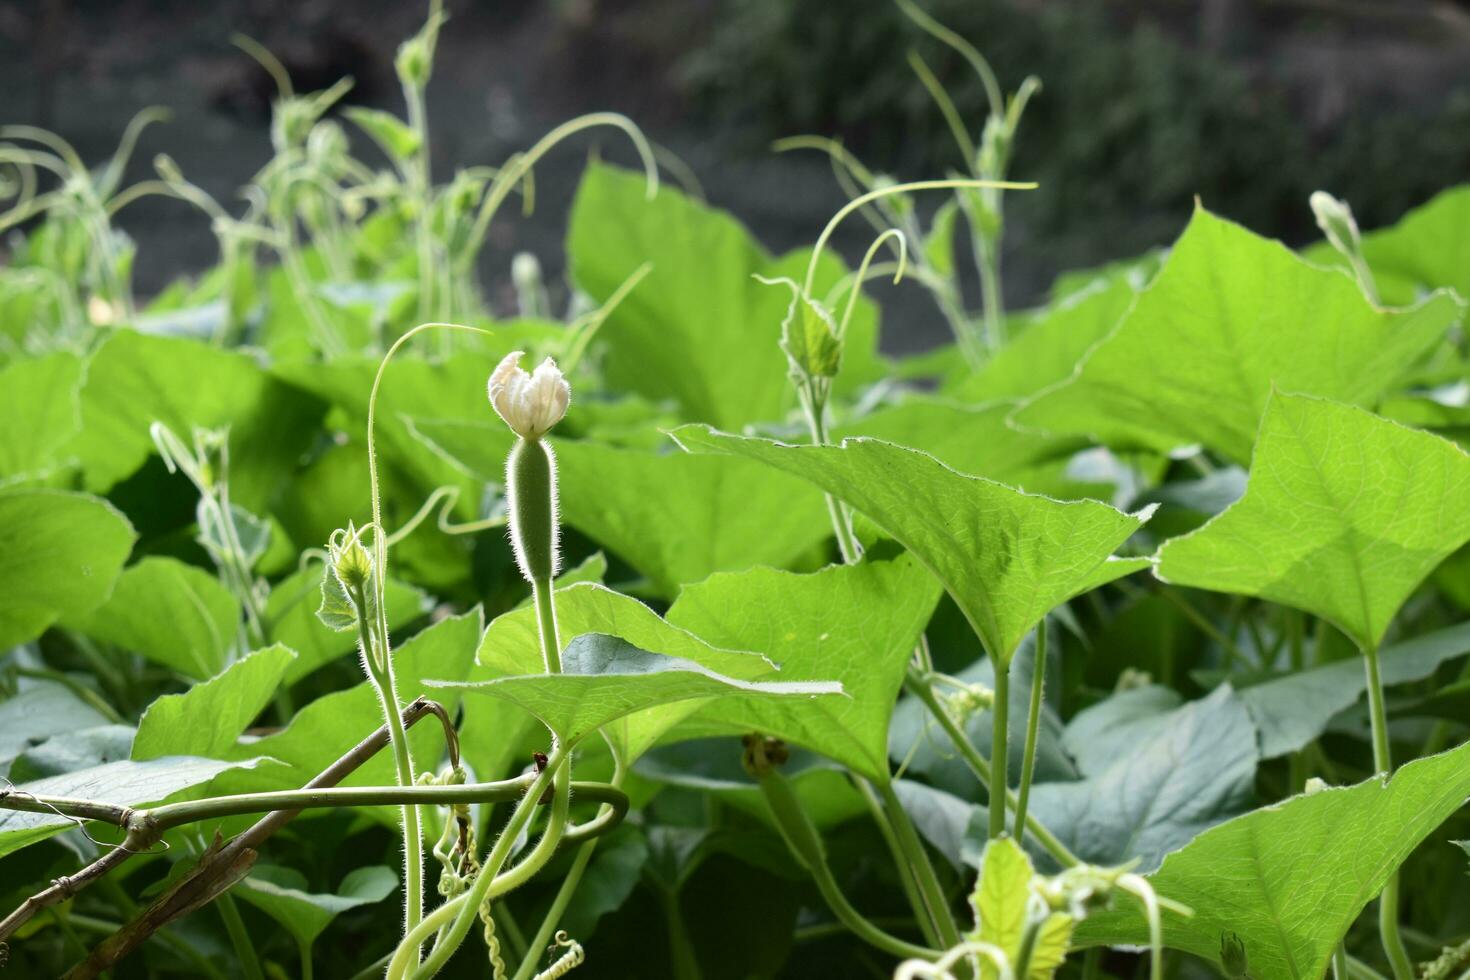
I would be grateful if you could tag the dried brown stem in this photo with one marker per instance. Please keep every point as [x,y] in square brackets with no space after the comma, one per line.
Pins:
[221,867]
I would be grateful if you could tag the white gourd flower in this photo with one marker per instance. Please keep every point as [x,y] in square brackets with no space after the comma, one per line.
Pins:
[530,403]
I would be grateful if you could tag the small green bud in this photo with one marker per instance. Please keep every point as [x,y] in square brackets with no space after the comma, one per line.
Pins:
[353,564]
[1233,959]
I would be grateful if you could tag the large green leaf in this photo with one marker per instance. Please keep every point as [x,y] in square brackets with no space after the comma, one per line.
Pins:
[698,329]
[172,613]
[674,517]
[134,380]
[1169,779]
[973,439]
[1049,345]
[126,783]
[207,719]
[855,624]
[39,710]
[605,679]
[1231,315]
[1290,879]
[1007,557]
[281,894]
[38,397]
[1344,515]
[334,723]
[63,552]
[512,644]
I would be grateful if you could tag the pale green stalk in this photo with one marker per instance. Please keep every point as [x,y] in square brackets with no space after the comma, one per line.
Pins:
[1388,901]
[1033,725]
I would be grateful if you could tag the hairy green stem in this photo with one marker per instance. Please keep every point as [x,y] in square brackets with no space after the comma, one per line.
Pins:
[459,913]
[378,661]
[1033,724]
[1388,901]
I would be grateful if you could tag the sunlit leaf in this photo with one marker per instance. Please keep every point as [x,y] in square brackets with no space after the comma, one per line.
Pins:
[1007,557]
[855,624]
[1343,516]
[1290,879]
[1231,315]
[207,719]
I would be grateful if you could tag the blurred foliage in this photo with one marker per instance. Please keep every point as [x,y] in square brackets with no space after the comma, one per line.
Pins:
[1130,126]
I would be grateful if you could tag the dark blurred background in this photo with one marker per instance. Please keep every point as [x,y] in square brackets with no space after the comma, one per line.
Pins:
[1251,104]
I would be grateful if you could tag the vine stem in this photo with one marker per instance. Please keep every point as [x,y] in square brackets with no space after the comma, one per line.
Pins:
[922,689]
[906,873]
[457,913]
[930,891]
[1388,901]
[806,844]
[1033,724]
[999,749]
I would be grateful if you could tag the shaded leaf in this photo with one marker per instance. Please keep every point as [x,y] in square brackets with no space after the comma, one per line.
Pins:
[172,613]
[63,552]
[126,783]
[1180,773]
[207,719]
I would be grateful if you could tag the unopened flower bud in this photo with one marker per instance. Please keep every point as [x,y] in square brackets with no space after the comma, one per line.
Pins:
[353,564]
[529,403]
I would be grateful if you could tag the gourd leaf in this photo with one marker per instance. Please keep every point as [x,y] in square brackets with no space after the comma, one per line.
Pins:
[63,552]
[673,517]
[43,392]
[1007,557]
[855,624]
[699,329]
[281,893]
[172,613]
[1230,315]
[1344,514]
[1290,879]
[605,679]
[125,783]
[207,719]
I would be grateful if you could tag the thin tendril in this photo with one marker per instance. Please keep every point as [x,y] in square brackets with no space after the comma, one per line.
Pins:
[892,234]
[882,192]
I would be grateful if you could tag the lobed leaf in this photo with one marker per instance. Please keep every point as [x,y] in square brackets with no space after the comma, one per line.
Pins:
[1007,557]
